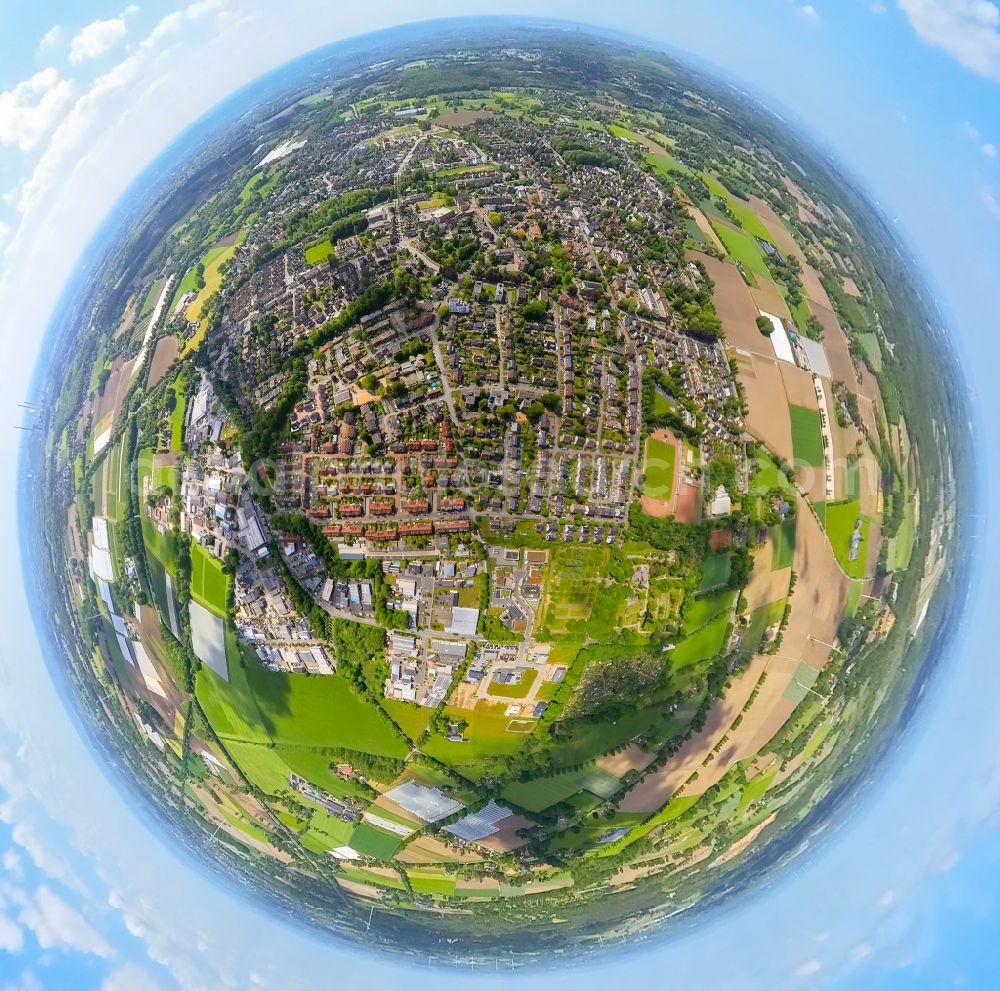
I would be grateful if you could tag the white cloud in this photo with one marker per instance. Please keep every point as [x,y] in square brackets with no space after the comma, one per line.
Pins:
[809,968]
[50,863]
[97,39]
[807,12]
[130,978]
[988,150]
[970,130]
[968,30]
[30,110]
[58,926]
[877,7]
[11,937]
[26,982]
[988,197]
[50,39]
[5,235]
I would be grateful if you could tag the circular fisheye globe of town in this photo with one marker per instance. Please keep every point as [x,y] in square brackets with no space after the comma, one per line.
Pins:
[495,491]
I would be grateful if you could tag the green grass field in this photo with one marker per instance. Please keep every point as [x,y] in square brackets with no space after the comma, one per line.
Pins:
[760,620]
[900,548]
[744,249]
[661,461]
[783,537]
[575,577]
[373,842]
[213,260]
[515,691]
[750,222]
[707,642]
[209,583]
[807,436]
[424,883]
[541,793]
[714,571]
[293,710]
[177,414]
[841,518]
[318,252]
[801,313]
[260,184]
[486,739]
[115,483]
[706,607]
[411,718]
[582,740]
[869,344]
[767,476]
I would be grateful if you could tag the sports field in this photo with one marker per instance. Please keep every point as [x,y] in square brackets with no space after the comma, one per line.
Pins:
[807,436]
[714,571]
[661,462]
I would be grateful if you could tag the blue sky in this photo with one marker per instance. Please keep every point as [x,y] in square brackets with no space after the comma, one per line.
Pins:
[905,894]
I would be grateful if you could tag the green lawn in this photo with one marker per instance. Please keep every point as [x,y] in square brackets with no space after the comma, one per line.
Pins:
[661,460]
[209,583]
[518,690]
[841,518]
[707,642]
[807,436]
[319,252]
[767,476]
[714,571]
[116,483]
[755,790]
[582,740]
[260,184]
[268,768]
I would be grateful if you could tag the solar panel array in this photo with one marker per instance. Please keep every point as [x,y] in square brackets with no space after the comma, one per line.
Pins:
[481,824]
[427,804]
